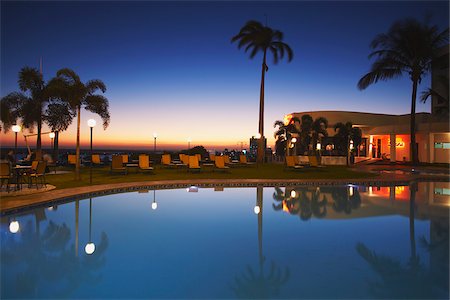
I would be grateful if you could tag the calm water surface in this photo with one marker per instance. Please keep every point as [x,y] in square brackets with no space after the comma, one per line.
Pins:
[303,242]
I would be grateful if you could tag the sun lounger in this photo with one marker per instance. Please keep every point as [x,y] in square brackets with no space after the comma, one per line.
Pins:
[194,163]
[144,163]
[220,163]
[290,163]
[166,162]
[71,159]
[117,164]
[314,161]
[243,160]
[96,160]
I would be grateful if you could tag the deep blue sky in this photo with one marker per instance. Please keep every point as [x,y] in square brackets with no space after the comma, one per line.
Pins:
[170,67]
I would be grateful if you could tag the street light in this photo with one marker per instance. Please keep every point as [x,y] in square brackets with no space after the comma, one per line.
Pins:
[90,246]
[154,141]
[189,143]
[16,129]
[91,123]
[319,146]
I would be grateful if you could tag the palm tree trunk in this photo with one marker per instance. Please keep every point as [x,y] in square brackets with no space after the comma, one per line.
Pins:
[261,150]
[413,148]
[39,140]
[56,148]
[77,165]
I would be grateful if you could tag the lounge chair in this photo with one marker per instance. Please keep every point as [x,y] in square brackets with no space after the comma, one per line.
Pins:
[184,159]
[243,160]
[165,161]
[117,164]
[71,159]
[38,173]
[144,163]
[302,160]
[212,157]
[193,163]
[96,160]
[290,163]
[199,157]
[220,163]
[314,161]
[5,174]
[125,159]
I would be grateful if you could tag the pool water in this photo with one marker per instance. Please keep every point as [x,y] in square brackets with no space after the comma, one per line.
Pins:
[295,242]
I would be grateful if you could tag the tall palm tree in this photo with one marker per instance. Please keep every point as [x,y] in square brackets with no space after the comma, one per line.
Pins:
[78,95]
[259,38]
[29,105]
[409,47]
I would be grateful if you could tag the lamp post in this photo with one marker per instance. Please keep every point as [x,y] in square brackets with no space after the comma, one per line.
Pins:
[16,129]
[90,246]
[154,141]
[189,143]
[52,145]
[91,123]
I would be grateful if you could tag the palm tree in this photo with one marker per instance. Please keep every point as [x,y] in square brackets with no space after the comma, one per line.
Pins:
[28,107]
[78,95]
[346,133]
[259,38]
[284,133]
[442,97]
[58,117]
[319,130]
[409,48]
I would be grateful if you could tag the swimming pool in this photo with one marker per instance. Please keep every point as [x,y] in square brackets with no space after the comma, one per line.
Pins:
[296,242]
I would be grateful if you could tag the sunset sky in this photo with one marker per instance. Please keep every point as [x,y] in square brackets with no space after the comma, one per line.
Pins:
[170,67]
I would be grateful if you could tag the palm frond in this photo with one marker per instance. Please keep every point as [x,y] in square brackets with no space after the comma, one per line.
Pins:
[99,104]
[68,75]
[94,85]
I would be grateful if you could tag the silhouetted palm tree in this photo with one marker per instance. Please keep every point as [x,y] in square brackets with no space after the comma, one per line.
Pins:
[344,134]
[28,107]
[409,47]
[259,38]
[442,97]
[58,117]
[319,130]
[284,133]
[78,95]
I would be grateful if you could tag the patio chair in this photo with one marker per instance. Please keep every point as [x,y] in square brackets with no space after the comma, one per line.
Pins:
[39,172]
[5,174]
[199,157]
[124,158]
[117,164]
[194,163]
[220,163]
[212,157]
[290,163]
[144,163]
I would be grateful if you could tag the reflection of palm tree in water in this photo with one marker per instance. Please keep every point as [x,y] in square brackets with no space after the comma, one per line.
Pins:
[259,285]
[298,202]
[411,281]
[47,257]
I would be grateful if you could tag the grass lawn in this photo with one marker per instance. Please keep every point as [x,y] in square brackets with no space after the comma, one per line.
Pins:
[101,175]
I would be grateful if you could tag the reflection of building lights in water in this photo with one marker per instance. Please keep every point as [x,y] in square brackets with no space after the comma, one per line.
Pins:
[285,207]
[293,194]
[370,190]
[257,209]
[350,191]
[90,248]
[14,227]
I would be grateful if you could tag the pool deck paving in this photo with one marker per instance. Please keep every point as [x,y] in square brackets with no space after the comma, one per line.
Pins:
[391,176]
